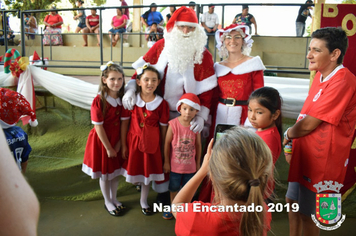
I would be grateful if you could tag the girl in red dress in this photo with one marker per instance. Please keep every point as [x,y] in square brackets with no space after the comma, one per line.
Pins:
[102,158]
[142,138]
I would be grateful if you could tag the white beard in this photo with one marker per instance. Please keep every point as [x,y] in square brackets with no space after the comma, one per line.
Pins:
[184,51]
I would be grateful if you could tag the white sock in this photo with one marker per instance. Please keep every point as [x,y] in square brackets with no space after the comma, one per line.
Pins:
[144,194]
[113,191]
[105,190]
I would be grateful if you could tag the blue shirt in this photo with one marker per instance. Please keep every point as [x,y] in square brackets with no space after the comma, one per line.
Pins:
[152,17]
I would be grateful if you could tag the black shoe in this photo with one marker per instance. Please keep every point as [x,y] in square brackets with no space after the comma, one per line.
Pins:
[121,208]
[115,212]
[147,211]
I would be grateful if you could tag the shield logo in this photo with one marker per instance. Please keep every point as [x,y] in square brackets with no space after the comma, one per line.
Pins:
[328,207]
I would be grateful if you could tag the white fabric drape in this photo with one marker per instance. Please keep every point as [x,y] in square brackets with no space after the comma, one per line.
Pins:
[80,93]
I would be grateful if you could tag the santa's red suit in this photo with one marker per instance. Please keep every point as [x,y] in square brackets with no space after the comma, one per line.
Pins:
[200,79]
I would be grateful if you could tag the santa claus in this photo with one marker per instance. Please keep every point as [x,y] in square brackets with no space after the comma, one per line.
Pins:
[184,64]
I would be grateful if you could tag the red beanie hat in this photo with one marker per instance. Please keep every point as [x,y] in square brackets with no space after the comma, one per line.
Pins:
[13,105]
[190,99]
[183,16]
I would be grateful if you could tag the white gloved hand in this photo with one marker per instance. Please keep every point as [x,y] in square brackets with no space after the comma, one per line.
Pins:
[129,99]
[197,124]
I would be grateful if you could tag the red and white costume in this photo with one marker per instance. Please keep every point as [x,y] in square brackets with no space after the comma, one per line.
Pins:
[200,79]
[323,154]
[237,83]
[142,167]
[96,162]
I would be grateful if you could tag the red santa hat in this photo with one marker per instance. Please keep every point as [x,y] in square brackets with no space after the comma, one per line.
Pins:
[13,105]
[182,16]
[242,28]
[190,99]
[35,56]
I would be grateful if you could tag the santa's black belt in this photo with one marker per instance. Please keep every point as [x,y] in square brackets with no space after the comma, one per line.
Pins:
[230,102]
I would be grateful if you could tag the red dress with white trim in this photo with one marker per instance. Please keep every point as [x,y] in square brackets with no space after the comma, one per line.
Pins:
[96,162]
[144,163]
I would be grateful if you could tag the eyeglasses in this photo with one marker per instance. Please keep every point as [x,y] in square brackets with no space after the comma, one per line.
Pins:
[233,37]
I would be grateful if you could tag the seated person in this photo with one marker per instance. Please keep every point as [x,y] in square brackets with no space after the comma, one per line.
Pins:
[10,33]
[118,24]
[92,23]
[30,25]
[152,16]
[53,30]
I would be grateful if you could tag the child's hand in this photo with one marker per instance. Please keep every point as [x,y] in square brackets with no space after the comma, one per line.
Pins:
[288,157]
[204,166]
[166,168]
[124,152]
[111,152]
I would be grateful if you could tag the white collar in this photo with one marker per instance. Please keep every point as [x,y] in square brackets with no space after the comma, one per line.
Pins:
[112,101]
[254,64]
[331,74]
[151,106]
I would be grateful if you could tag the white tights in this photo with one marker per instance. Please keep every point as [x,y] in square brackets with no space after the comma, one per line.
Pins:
[109,191]
[144,194]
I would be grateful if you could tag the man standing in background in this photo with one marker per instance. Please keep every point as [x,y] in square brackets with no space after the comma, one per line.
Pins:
[303,14]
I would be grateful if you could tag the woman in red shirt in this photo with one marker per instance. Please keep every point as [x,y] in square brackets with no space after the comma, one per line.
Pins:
[118,24]
[92,22]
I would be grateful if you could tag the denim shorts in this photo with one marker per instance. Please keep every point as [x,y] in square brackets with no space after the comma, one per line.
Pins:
[305,197]
[117,31]
[82,25]
[176,181]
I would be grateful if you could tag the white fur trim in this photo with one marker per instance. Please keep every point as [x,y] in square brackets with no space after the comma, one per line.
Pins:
[206,84]
[95,175]
[5,125]
[254,64]
[33,123]
[228,115]
[139,63]
[173,88]
[141,178]
[125,118]
[196,106]
[163,124]
[204,113]
[151,106]
[186,23]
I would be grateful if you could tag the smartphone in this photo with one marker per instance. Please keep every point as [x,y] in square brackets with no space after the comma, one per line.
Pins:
[220,129]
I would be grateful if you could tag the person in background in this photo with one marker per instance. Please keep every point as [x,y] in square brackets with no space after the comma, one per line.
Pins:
[240,168]
[192,5]
[323,134]
[10,33]
[80,16]
[92,23]
[210,22]
[15,194]
[245,18]
[52,33]
[118,24]
[30,25]
[152,16]
[303,14]
[125,10]
[172,9]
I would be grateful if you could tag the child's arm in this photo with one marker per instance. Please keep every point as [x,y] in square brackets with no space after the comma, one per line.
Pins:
[163,129]
[167,150]
[185,195]
[124,129]
[198,150]
[104,140]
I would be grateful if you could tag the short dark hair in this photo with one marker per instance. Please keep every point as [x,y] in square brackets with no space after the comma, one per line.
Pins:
[244,6]
[335,38]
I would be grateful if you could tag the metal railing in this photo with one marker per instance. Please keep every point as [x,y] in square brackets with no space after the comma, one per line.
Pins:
[199,10]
